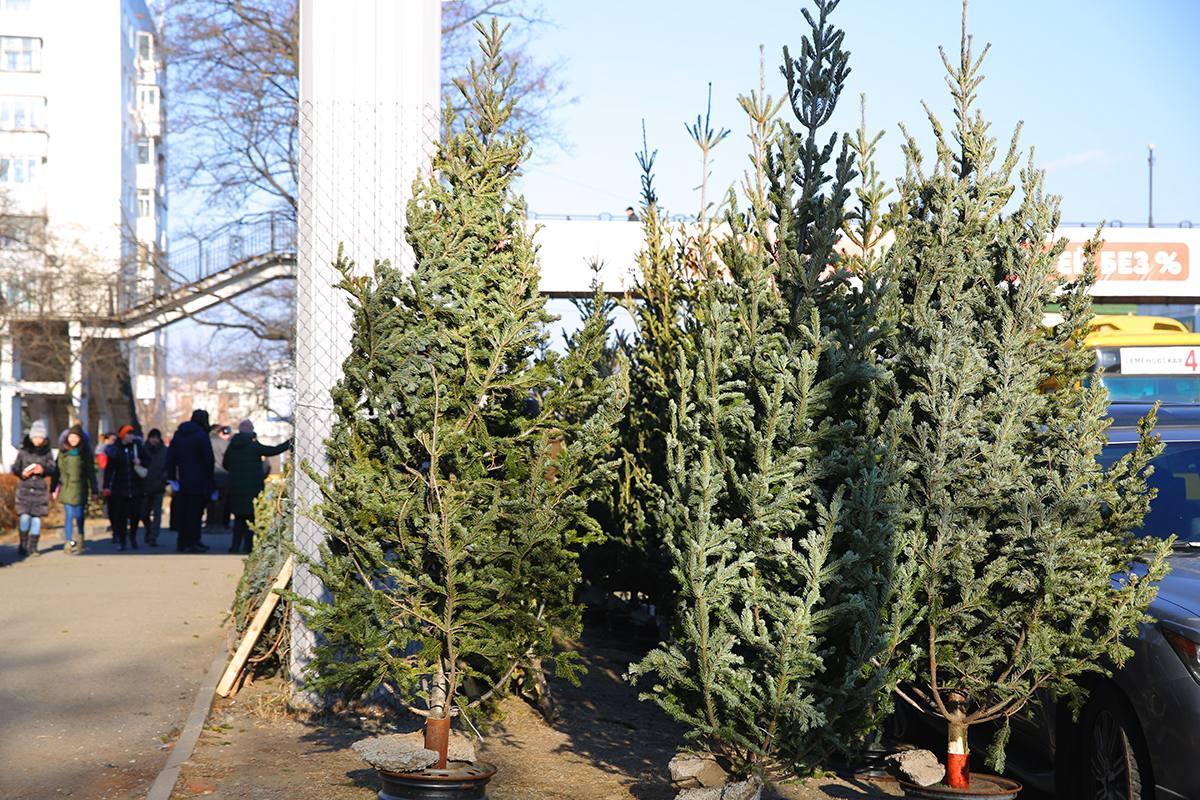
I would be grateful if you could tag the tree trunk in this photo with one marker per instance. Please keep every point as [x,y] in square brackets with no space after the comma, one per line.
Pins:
[437,738]
[437,724]
[958,770]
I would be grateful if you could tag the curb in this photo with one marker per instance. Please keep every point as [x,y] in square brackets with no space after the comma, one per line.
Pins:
[164,784]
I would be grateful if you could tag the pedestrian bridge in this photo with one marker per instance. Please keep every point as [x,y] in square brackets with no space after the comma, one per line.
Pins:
[1140,265]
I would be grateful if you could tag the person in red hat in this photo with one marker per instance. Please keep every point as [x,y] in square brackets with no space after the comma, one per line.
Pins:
[123,487]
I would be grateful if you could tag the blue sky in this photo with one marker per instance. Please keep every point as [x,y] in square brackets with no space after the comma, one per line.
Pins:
[1095,81]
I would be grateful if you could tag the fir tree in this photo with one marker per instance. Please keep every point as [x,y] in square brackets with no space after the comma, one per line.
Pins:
[633,557]
[776,510]
[461,463]
[1012,530]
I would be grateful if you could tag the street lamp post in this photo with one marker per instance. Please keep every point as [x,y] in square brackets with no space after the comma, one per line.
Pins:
[1150,161]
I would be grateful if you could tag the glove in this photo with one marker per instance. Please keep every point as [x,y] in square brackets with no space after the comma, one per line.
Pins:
[107,492]
[174,486]
[214,496]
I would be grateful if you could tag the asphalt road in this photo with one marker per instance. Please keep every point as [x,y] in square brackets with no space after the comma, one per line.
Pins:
[100,659]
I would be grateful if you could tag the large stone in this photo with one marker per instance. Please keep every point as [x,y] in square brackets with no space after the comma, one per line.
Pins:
[461,747]
[742,790]
[696,770]
[916,766]
[395,753]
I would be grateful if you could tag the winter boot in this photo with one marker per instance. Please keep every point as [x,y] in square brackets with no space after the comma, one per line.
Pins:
[79,545]
[33,544]
[23,545]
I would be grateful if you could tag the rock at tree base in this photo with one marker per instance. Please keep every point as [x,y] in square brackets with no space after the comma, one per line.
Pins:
[743,790]
[918,766]
[395,753]
[696,770]
[461,746]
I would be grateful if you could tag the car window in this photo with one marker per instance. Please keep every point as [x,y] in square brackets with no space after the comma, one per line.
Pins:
[1176,510]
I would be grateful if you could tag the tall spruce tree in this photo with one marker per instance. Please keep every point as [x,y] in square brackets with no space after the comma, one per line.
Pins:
[461,462]
[1012,530]
[776,509]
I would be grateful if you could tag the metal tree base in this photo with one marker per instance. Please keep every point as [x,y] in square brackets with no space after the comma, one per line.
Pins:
[458,781]
[986,787]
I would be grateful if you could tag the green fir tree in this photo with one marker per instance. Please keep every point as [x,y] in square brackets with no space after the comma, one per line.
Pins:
[1011,529]
[465,452]
[777,509]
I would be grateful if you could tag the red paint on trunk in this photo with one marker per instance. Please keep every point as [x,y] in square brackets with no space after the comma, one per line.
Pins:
[958,771]
[437,738]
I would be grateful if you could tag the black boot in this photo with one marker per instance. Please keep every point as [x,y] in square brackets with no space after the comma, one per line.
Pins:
[23,545]
[33,544]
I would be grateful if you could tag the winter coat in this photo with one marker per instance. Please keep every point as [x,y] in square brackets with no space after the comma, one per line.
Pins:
[220,475]
[76,476]
[243,460]
[120,477]
[33,491]
[156,466]
[190,460]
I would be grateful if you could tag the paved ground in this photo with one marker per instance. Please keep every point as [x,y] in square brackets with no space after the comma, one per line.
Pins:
[100,659]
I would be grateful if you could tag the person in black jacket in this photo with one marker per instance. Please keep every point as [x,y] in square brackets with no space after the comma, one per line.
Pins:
[155,484]
[189,469]
[34,465]
[123,487]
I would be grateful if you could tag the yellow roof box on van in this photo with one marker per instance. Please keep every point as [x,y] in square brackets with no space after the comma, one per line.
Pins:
[1128,330]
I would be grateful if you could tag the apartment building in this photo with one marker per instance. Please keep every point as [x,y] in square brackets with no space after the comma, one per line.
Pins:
[82,204]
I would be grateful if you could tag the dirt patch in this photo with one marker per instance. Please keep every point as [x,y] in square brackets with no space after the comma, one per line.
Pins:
[605,745]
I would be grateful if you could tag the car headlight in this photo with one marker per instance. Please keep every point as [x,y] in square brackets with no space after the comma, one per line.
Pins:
[1187,650]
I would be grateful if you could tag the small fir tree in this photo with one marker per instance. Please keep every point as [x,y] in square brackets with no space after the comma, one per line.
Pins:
[461,463]
[1012,530]
[776,509]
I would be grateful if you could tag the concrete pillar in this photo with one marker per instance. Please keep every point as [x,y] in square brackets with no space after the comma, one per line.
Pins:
[76,386]
[369,92]
[10,401]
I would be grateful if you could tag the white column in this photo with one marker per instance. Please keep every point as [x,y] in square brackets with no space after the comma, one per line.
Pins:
[75,387]
[10,402]
[369,92]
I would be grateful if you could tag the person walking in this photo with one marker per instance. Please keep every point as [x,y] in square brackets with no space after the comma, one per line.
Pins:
[123,477]
[189,470]
[106,440]
[74,481]
[217,515]
[154,485]
[34,465]
[244,462]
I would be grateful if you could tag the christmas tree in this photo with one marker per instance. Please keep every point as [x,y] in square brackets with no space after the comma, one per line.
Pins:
[464,451]
[776,506]
[1011,529]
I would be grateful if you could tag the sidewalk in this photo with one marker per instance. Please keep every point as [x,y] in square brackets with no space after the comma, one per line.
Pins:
[100,657]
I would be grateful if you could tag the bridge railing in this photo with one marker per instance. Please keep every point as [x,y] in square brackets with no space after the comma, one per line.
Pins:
[203,258]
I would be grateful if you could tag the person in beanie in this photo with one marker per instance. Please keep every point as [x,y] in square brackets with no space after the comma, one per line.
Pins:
[74,482]
[244,462]
[189,470]
[155,485]
[34,465]
[123,477]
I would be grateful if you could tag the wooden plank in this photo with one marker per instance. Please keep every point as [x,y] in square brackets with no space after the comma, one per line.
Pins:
[255,630]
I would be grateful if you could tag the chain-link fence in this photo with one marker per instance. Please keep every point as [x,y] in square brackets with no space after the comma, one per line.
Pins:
[357,168]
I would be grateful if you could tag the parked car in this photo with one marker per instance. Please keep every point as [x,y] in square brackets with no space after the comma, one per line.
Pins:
[1138,736]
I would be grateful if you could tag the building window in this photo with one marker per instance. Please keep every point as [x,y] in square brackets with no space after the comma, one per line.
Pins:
[20,54]
[145,46]
[18,169]
[148,97]
[143,151]
[145,203]
[145,360]
[22,113]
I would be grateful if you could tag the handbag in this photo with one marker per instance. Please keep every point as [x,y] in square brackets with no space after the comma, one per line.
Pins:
[141,471]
